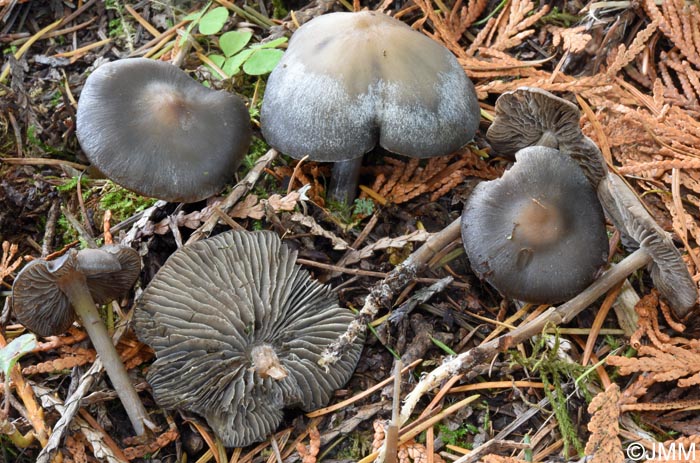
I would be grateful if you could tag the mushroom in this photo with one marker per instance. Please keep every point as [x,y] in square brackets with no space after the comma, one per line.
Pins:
[238,329]
[639,229]
[531,116]
[48,296]
[350,81]
[538,233]
[154,130]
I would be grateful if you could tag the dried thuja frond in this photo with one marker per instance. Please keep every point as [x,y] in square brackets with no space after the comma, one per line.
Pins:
[405,180]
[408,452]
[452,24]
[604,444]
[672,69]
[680,22]
[672,363]
[70,357]
[7,265]
[518,25]
[572,39]
[647,309]
[668,358]
[626,55]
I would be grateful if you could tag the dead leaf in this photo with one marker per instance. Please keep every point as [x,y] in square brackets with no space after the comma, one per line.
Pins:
[249,207]
[338,243]
[355,256]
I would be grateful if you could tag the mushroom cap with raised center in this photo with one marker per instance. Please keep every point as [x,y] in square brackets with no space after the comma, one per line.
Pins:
[350,81]
[537,234]
[154,130]
[238,329]
[38,301]
[530,116]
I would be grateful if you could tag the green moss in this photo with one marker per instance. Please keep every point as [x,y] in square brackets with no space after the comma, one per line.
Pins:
[560,18]
[554,372]
[65,230]
[457,436]
[123,203]
[279,11]
[33,140]
[355,446]
[257,149]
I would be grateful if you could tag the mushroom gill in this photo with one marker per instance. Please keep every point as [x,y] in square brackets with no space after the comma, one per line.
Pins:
[238,329]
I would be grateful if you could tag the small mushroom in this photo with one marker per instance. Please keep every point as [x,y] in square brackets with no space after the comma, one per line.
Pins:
[238,329]
[639,229]
[154,130]
[48,296]
[534,117]
[538,233]
[351,81]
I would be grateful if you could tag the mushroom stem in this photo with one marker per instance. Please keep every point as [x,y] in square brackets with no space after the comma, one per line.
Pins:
[552,316]
[344,179]
[84,305]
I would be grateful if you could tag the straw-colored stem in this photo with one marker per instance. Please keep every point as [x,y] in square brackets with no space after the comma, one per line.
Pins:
[84,305]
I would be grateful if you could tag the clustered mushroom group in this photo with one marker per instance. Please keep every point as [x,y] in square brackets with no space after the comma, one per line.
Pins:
[237,327]
[537,234]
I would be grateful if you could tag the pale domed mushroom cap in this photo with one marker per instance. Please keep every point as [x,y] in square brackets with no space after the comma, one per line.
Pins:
[154,130]
[238,329]
[350,81]
[40,305]
[531,116]
[537,234]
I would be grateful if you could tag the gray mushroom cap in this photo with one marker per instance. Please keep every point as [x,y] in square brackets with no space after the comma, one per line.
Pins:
[350,81]
[154,130]
[639,230]
[238,329]
[537,234]
[38,301]
[531,116]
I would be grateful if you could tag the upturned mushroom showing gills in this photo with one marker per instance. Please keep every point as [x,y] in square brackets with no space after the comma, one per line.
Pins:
[531,116]
[351,81]
[238,329]
[48,296]
[639,230]
[537,234]
[151,128]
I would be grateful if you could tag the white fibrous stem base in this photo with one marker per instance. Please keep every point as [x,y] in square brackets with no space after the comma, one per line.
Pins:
[266,363]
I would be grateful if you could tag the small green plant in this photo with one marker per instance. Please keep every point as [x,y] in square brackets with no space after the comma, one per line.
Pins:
[555,372]
[455,437]
[255,60]
[363,207]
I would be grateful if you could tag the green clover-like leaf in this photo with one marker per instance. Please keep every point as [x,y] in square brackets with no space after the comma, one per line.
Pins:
[263,61]
[212,22]
[271,44]
[14,350]
[233,41]
[234,63]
